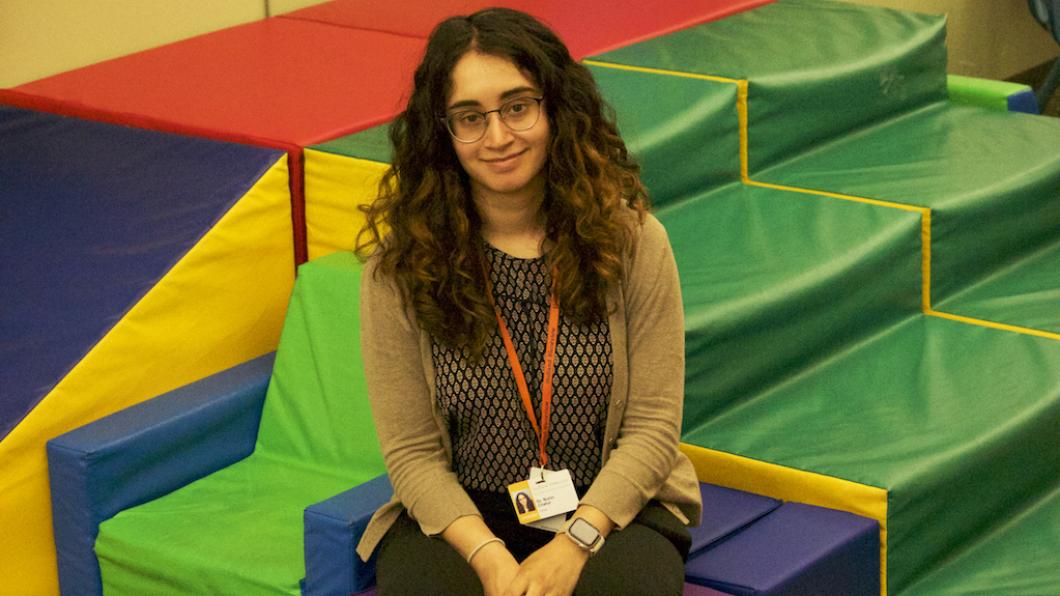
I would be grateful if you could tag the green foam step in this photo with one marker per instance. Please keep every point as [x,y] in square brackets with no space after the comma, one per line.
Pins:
[774,280]
[1016,558]
[1024,292]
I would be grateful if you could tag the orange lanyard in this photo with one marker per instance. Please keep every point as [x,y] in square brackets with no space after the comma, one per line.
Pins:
[520,379]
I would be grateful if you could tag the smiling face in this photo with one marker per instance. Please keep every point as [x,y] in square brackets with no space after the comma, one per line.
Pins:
[503,163]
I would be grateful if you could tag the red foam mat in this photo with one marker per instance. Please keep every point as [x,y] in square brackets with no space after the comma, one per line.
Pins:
[271,81]
[587,26]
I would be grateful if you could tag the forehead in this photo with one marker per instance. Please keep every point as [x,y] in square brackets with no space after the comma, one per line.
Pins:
[484,79]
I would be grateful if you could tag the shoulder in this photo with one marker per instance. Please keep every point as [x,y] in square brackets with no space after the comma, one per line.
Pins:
[649,241]
[381,295]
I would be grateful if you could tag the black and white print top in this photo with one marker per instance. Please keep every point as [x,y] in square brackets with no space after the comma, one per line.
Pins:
[493,442]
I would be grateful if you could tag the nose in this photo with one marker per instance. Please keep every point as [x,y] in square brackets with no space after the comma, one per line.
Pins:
[497,133]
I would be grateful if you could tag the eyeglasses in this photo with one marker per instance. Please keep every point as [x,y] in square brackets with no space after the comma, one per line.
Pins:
[519,114]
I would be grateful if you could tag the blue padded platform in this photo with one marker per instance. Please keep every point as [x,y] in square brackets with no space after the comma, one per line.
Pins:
[146,451]
[332,530]
[725,511]
[1023,101]
[796,549]
[93,215]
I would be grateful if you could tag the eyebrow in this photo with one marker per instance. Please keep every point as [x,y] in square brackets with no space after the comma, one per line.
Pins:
[471,103]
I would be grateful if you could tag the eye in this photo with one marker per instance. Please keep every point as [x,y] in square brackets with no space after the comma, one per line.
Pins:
[468,118]
[518,106]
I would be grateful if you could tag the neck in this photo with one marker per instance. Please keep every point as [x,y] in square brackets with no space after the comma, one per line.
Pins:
[509,220]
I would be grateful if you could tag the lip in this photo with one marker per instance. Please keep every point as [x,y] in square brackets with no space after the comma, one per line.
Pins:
[505,163]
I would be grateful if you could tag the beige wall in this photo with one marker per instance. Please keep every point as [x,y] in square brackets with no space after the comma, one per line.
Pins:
[994,39]
[39,38]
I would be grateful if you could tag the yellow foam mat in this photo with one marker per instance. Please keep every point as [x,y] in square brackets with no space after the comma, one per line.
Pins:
[335,185]
[220,305]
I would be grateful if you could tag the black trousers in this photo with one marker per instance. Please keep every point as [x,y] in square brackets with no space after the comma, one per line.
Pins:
[646,557]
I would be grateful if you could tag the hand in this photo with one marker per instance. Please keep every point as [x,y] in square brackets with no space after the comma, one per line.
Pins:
[553,570]
[495,567]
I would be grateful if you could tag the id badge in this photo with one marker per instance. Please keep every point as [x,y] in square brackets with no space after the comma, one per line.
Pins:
[543,500]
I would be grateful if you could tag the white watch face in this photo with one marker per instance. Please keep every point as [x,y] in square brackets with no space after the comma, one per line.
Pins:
[583,532]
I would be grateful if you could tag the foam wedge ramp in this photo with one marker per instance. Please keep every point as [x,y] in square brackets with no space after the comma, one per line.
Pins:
[239,530]
[313,75]
[135,262]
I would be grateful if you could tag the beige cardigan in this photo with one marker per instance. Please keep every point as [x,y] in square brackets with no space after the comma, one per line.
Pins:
[640,457]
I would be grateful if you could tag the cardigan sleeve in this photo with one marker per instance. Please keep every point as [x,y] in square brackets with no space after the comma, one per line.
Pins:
[646,449]
[409,434]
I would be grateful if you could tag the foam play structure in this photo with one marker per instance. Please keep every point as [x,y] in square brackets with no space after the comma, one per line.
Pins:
[869,256]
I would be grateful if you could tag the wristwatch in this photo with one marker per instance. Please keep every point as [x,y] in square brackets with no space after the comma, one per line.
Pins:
[584,534]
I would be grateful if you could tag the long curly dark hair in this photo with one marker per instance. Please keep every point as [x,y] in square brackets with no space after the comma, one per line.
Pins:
[424,229]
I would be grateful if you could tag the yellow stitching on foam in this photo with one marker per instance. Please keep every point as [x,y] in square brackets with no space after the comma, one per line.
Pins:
[741,115]
[925,212]
[661,71]
[993,325]
[925,263]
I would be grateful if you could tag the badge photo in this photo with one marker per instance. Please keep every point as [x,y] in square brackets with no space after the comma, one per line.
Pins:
[523,502]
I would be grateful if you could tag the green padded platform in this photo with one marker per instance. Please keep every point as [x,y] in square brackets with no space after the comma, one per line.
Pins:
[1017,559]
[985,93]
[372,144]
[239,530]
[817,69]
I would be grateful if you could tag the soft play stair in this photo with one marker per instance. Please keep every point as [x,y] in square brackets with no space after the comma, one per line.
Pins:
[955,421]
[817,68]
[1018,558]
[991,180]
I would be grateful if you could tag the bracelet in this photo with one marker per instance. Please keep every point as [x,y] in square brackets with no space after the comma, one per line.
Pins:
[475,550]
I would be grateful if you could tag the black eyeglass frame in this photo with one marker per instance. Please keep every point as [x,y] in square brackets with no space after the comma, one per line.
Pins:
[485,117]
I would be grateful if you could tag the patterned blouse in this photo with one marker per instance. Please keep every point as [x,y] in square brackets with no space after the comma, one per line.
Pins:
[494,444]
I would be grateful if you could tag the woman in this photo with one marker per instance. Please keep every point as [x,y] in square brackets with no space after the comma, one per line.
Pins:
[513,226]
[523,503]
